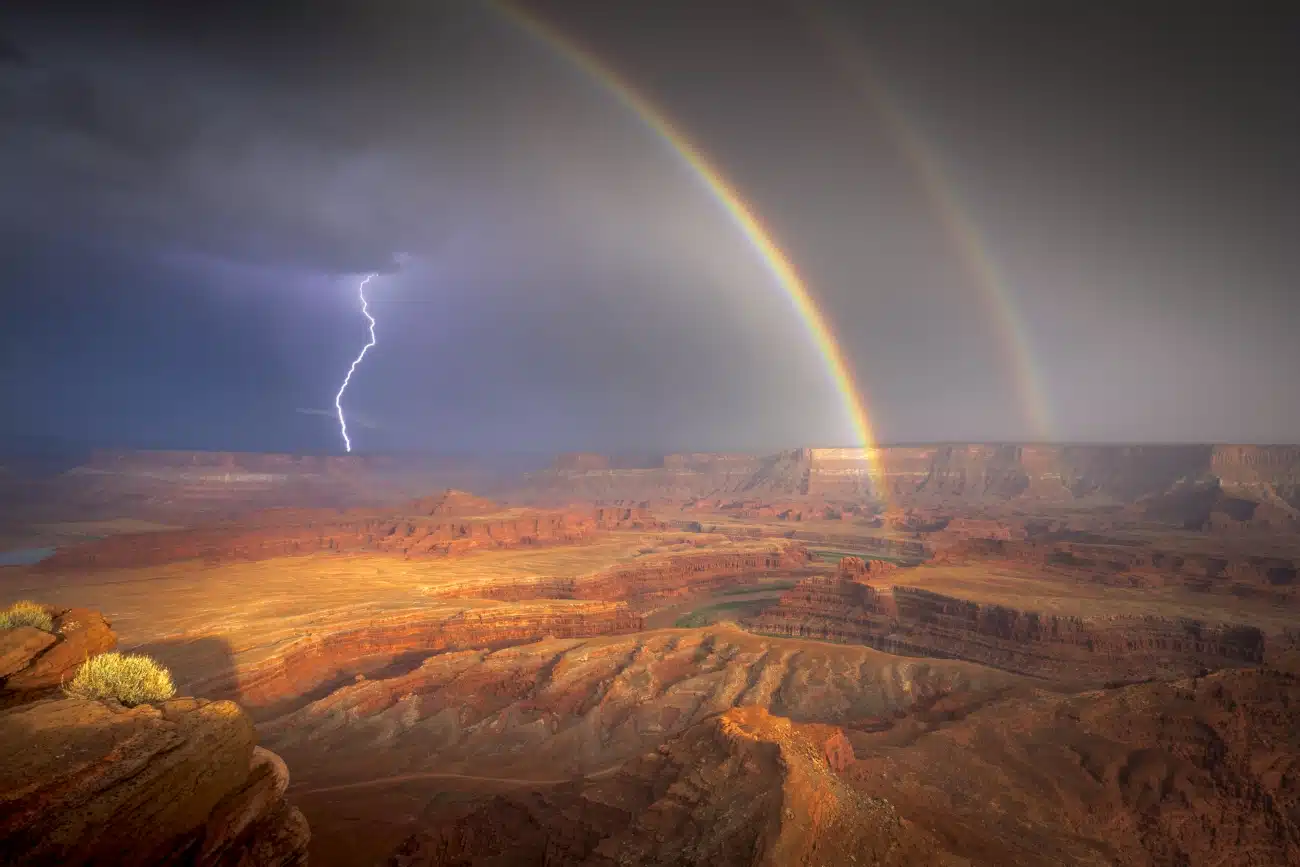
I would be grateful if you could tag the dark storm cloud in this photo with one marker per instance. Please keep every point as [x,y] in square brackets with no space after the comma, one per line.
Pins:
[10,55]
[146,161]
[568,282]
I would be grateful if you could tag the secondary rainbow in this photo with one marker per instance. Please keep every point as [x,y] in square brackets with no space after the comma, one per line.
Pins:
[953,217]
[778,264]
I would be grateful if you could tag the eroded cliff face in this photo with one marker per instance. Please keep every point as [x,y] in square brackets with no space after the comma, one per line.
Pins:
[743,789]
[282,676]
[89,782]
[949,472]
[648,578]
[555,708]
[1072,650]
[683,574]
[1198,772]
[1146,565]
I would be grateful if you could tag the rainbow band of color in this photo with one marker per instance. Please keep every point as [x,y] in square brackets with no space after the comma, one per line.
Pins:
[952,216]
[740,212]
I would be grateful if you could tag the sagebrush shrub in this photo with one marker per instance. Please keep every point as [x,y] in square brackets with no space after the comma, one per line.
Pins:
[129,678]
[26,614]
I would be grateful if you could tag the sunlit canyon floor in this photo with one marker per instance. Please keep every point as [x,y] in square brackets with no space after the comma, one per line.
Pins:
[716,662]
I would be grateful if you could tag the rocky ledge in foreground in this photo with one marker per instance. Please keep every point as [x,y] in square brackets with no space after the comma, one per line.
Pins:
[34,662]
[180,783]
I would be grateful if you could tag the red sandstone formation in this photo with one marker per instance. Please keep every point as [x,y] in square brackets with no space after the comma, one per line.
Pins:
[338,653]
[1148,564]
[681,574]
[978,528]
[1199,772]
[451,523]
[742,789]
[89,782]
[1093,650]
[33,663]
[1195,772]
[555,709]
[453,503]
[946,473]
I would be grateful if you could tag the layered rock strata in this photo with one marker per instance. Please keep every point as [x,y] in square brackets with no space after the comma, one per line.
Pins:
[655,576]
[1090,650]
[741,789]
[559,707]
[34,663]
[949,472]
[1198,772]
[427,529]
[89,782]
[340,652]
[1142,564]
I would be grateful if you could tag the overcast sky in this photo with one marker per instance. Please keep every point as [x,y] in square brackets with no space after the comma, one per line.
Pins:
[187,203]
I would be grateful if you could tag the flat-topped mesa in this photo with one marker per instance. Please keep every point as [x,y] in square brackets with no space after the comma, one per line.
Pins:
[1076,650]
[446,525]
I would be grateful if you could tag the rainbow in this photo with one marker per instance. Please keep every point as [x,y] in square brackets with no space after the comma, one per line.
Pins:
[741,213]
[952,216]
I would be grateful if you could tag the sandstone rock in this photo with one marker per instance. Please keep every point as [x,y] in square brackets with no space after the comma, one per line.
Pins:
[253,825]
[79,633]
[838,751]
[743,789]
[327,656]
[534,710]
[668,575]
[1086,651]
[88,782]
[20,647]
[1200,772]
[450,524]
[1222,571]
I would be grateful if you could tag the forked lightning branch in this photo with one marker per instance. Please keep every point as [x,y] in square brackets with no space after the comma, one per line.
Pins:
[338,398]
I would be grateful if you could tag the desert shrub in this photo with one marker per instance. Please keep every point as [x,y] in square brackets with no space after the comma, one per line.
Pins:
[129,678]
[26,614]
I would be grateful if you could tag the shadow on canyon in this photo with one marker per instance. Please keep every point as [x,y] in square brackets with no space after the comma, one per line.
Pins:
[201,667]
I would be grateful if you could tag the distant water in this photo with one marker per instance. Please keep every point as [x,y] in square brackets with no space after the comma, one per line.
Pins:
[24,556]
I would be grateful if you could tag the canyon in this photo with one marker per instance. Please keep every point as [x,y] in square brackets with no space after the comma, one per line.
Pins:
[960,653]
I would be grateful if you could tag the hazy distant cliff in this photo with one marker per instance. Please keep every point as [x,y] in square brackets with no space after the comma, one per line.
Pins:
[1118,473]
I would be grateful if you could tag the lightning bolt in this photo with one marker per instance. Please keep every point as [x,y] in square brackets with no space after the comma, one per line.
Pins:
[338,398]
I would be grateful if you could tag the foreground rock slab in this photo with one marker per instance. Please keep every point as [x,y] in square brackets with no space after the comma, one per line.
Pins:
[182,783]
[34,662]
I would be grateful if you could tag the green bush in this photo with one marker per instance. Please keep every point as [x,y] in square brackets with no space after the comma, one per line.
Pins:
[26,614]
[127,678]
